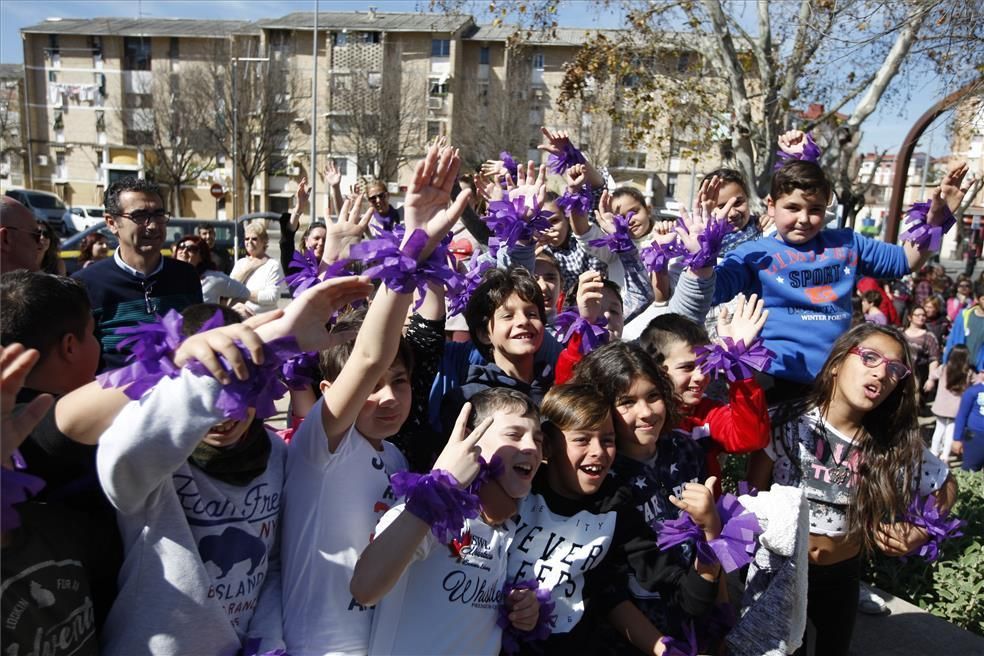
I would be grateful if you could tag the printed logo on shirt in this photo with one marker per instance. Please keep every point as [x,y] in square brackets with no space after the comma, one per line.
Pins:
[816,284]
[475,582]
[47,610]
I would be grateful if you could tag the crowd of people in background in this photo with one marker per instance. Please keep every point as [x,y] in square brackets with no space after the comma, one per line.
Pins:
[517,403]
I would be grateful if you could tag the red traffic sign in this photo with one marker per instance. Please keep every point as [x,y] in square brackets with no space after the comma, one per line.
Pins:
[216,190]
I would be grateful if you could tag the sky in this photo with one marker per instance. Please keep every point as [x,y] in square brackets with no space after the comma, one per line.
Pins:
[883,130]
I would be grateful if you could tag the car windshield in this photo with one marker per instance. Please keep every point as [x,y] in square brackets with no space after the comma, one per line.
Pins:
[94,211]
[45,202]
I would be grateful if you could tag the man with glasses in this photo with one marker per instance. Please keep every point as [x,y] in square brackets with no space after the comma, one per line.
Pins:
[137,282]
[20,237]
[383,213]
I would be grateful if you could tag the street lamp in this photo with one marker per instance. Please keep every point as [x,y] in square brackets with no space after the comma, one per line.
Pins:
[235,127]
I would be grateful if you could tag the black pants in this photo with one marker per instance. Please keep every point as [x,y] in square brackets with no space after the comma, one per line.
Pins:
[832,605]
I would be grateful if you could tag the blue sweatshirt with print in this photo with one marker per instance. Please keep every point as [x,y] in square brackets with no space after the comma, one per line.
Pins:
[807,289]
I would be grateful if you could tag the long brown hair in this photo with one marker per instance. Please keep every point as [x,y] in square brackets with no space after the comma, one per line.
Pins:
[889,444]
[958,369]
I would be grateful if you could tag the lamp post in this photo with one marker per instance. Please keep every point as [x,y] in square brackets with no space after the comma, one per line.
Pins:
[235,127]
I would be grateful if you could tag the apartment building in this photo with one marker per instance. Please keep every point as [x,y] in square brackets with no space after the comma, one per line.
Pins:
[387,84]
[12,152]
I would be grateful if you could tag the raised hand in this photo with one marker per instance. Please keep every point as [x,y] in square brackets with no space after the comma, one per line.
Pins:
[348,229]
[951,191]
[664,232]
[792,142]
[556,140]
[747,322]
[900,538]
[707,197]
[605,215]
[306,317]
[460,456]
[301,195]
[698,501]
[206,348]
[332,175]
[426,205]
[16,363]
[531,183]
[589,296]
[576,176]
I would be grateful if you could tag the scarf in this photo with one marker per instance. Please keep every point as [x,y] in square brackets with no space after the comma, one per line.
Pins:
[239,463]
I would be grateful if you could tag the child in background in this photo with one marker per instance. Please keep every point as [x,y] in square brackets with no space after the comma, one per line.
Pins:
[339,460]
[741,425]
[968,329]
[871,308]
[435,596]
[559,243]
[581,536]
[854,447]
[551,281]
[808,273]
[968,430]
[951,379]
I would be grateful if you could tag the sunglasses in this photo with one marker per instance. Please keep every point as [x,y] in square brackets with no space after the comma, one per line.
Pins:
[376,197]
[871,358]
[191,248]
[36,235]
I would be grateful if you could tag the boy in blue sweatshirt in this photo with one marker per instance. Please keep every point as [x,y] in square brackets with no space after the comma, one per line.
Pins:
[968,429]
[805,274]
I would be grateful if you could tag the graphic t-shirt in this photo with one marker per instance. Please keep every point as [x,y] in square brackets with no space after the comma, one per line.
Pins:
[807,289]
[46,603]
[447,601]
[811,454]
[332,503]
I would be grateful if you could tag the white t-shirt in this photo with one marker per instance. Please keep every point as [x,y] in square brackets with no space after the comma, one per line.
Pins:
[445,603]
[332,502]
[813,455]
[557,551]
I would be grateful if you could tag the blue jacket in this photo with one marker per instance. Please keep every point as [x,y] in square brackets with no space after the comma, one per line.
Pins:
[958,335]
[807,289]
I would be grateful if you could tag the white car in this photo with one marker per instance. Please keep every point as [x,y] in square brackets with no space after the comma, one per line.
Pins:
[83,217]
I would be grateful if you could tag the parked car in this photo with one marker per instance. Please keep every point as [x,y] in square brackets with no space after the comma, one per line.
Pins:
[176,228]
[45,206]
[81,217]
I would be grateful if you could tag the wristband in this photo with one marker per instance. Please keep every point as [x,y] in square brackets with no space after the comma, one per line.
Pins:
[811,153]
[918,230]
[733,548]
[579,201]
[545,622]
[569,156]
[927,516]
[735,360]
[619,241]
[507,220]
[571,323]
[437,500]
[710,240]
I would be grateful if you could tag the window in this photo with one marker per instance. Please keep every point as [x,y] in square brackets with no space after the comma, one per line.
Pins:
[341,82]
[438,87]
[483,55]
[341,164]
[374,80]
[340,123]
[671,185]
[441,48]
[136,53]
[53,48]
[538,63]
[173,50]
[372,37]
[632,160]
[339,38]
[434,129]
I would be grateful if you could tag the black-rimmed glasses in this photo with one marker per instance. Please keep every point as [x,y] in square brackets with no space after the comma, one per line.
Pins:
[36,235]
[143,218]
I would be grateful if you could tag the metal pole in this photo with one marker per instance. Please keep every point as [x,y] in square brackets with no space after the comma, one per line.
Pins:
[313,173]
[235,156]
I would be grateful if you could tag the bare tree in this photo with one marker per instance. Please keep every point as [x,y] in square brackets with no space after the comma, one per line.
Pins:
[379,119]
[731,75]
[11,139]
[183,148]
[250,109]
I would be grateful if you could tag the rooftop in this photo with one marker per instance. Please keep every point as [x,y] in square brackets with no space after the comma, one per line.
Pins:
[187,27]
[368,21]
[11,71]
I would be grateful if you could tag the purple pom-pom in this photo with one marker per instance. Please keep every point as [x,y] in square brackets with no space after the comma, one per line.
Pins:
[437,500]
[469,283]
[709,240]
[619,241]
[507,219]
[545,622]
[657,256]
[152,346]
[733,548]
[569,156]
[298,372]
[925,514]
[305,265]
[811,153]
[735,360]
[571,323]
[687,646]
[576,202]
[509,164]
[918,230]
